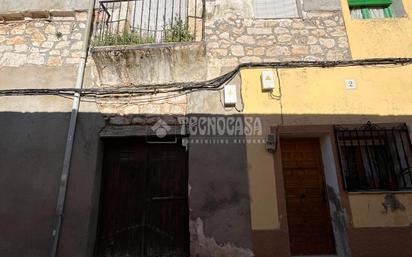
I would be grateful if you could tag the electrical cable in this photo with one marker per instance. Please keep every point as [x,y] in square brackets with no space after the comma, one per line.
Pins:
[280,98]
[188,87]
[241,97]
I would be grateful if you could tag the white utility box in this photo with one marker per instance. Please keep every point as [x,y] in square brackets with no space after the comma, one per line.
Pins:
[230,95]
[268,80]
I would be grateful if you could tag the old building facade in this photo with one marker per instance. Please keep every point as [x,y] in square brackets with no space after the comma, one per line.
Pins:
[180,150]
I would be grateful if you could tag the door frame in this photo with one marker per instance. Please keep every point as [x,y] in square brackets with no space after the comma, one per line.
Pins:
[340,214]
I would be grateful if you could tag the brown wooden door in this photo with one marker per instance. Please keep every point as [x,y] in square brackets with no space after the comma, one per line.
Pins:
[144,205]
[310,229]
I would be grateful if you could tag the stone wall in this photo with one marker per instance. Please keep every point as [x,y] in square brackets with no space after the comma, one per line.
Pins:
[233,36]
[53,42]
[142,110]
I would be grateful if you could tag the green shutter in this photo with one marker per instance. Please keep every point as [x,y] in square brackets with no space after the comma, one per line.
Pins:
[365,13]
[368,3]
[388,12]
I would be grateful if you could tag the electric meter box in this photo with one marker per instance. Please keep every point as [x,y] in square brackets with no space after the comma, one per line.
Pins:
[268,80]
[230,95]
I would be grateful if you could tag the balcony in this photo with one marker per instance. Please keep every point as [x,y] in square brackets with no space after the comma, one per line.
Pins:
[139,42]
[136,22]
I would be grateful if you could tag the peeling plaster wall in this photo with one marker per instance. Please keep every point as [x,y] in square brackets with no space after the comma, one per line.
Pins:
[219,194]
[204,246]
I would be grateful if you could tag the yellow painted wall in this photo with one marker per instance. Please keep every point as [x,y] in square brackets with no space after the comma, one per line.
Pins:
[316,96]
[379,38]
[368,211]
[320,91]
[264,214]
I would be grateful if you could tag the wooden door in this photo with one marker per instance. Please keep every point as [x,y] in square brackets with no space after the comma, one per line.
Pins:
[310,229]
[144,204]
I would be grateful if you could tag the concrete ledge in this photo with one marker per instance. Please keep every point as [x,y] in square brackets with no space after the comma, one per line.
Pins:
[12,16]
[383,192]
[63,13]
[39,14]
[174,45]
[36,14]
[134,130]
[321,5]
[150,63]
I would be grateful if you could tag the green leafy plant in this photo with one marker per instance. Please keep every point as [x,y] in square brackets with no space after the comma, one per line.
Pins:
[178,32]
[127,38]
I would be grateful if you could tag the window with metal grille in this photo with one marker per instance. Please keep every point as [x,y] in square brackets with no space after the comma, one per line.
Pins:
[374,157]
[276,9]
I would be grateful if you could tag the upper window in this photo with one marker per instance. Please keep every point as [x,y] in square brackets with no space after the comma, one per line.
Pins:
[375,158]
[276,9]
[375,9]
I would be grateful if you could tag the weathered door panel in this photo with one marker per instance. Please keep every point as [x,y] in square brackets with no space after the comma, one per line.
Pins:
[167,224]
[310,229]
[143,208]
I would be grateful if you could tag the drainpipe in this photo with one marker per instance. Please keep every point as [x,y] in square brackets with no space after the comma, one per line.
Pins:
[71,133]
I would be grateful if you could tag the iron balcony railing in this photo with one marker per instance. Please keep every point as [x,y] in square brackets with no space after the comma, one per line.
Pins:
[129,22]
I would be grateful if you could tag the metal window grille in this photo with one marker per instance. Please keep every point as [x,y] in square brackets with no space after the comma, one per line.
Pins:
[123,22]
[375,158]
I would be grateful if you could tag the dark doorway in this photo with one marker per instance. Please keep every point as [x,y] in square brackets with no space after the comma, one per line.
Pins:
[310,228]
[144,203]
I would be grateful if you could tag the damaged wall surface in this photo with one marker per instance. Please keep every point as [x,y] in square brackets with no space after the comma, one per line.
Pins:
[219,195]
[381,210]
